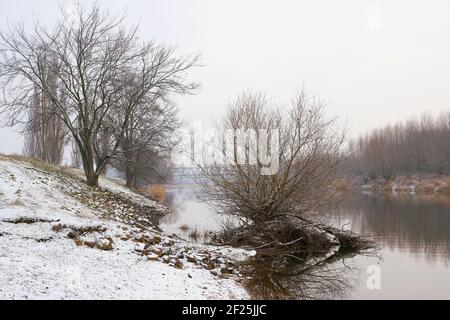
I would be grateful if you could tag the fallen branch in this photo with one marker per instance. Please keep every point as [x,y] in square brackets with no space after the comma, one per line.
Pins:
[291,242]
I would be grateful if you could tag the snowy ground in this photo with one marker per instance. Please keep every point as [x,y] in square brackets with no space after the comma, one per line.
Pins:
[37,262]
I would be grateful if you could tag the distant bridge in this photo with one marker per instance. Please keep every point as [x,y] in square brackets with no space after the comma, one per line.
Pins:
[195,172]
[187,172]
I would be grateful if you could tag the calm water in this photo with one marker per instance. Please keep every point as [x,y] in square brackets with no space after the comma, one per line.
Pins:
[188,215]
[413,233]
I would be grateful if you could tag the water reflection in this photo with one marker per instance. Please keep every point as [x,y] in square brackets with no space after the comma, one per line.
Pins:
[413,232]
[416,225]
[189,219]
[302,276]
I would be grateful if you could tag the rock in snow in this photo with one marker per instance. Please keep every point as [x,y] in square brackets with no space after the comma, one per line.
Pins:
[105,244]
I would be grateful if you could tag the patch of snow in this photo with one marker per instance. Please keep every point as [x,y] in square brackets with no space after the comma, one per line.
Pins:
[237,254]
[394,188]
[38,263]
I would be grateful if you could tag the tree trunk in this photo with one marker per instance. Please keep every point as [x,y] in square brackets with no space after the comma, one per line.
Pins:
[130,182]
[131,178]
[89,164]
[91,176]
[130,169]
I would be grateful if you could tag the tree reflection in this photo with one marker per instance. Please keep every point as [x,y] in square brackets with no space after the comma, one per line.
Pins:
[303,276]
[419,225]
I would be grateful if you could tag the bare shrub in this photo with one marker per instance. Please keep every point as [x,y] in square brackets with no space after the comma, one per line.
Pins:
[388,186]
[158,192]
[195,234]
[340,184]
[307,157]
[184,227]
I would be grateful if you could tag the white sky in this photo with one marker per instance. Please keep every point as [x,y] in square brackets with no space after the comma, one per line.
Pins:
[375,62]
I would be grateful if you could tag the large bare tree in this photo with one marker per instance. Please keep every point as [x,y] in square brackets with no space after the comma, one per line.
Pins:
[150,134]
[95,52]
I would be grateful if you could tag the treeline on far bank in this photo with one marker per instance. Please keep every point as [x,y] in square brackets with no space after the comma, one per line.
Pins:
[413,147]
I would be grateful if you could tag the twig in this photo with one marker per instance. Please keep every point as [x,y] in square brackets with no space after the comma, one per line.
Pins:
[264,245]
[289,243]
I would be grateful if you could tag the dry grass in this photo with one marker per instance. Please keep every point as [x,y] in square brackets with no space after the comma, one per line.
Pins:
[206,234]
[388,186]
[444,190]
[341,184]
[195,234]
[184,227]
[29,220]
[18,203]
[43,166]
[39,164]
[158,192]
[426,187]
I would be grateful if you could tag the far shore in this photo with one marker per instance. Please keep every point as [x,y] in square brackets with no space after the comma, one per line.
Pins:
[419,184]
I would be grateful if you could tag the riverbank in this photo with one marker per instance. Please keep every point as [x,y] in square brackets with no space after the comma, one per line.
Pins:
[438,185]
[61,239]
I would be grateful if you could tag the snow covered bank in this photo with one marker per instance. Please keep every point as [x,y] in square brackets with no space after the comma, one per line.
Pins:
[54,236]
[418,184]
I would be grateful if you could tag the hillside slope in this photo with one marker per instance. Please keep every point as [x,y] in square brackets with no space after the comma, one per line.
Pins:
[60,239]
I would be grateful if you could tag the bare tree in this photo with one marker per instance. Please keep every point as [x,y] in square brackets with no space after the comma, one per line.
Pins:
[149,166]
[94,55]
[306,148]
[150,134]
[75,155]
[45,133]
[415,146]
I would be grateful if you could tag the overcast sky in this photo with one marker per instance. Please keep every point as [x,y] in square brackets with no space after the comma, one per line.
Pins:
[374,62]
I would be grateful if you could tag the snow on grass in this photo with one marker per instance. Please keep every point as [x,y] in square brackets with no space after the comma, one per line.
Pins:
[117,186]
[38,263]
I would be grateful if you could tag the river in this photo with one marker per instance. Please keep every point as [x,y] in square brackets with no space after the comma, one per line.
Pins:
[413,234]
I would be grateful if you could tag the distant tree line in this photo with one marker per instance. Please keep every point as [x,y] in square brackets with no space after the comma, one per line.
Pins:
[411,147]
